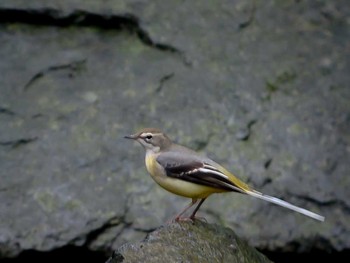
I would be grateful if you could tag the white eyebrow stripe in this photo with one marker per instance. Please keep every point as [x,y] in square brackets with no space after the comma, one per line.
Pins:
[145,134]
[205,170]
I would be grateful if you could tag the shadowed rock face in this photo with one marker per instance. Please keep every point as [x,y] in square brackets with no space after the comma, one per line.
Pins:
[262,88]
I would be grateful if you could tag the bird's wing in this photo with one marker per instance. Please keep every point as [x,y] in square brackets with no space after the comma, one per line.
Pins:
[189,168]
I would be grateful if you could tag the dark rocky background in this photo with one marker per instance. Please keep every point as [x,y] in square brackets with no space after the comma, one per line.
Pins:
[261,86]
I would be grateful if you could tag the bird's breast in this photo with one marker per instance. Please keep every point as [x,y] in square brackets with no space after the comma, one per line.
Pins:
[152,166]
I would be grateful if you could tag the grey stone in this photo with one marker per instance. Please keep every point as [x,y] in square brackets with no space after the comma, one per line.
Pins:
[189,242]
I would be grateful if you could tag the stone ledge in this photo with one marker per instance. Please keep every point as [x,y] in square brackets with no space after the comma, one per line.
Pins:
[189,242]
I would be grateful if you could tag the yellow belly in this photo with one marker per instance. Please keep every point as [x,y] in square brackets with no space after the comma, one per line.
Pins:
[184,188]
[178,186]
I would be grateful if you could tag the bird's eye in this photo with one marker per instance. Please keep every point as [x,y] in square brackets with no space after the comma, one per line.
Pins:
[148,137]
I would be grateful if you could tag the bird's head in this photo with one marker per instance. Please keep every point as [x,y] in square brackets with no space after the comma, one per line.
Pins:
[151,139]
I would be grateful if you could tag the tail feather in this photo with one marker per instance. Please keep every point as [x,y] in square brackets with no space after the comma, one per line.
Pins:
[285,204]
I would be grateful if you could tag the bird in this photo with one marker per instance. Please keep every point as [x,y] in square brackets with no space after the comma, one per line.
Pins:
[184,172]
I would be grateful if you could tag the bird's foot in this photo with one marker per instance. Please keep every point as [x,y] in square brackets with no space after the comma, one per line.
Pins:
[183,219]
[202,219]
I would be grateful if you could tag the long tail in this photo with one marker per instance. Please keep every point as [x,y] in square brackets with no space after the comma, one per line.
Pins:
[285,204]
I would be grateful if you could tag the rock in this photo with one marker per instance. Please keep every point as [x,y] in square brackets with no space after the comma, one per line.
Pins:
[188,242]
[78,75]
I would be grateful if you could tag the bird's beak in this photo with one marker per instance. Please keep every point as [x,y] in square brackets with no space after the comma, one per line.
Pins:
[132,136]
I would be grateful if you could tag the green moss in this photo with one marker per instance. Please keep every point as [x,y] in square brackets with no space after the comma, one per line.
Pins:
[286,76]
[72,204]
[296,129]
[271,87]
[281,79]
[46,200]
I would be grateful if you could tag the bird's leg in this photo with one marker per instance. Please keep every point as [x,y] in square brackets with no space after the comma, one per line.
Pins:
[195,210]
[193,202]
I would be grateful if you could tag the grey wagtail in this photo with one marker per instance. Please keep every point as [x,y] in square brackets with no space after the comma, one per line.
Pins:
[184,172]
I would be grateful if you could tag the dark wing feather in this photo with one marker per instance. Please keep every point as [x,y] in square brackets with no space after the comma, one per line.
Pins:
[191,169]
